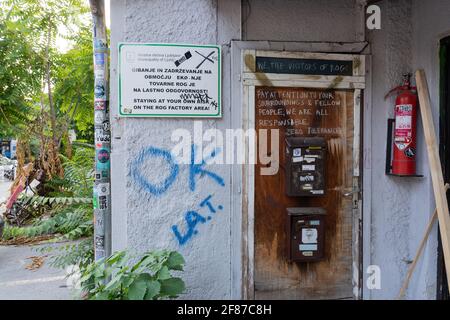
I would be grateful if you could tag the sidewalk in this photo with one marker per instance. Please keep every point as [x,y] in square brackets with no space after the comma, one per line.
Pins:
[19,283]
[4,189]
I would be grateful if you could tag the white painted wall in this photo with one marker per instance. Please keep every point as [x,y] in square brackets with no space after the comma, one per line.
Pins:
[302,20]
[141,220]
[399,209]
[395,206]
[431,23]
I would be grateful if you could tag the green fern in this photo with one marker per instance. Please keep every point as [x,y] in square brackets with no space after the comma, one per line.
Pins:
[66,201]
[71,225]
[80,253]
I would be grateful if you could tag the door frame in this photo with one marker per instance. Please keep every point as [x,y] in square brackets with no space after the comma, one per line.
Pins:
[442,290]
[243,81]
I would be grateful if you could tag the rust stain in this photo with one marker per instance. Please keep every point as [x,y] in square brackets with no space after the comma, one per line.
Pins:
[249,61]
[335,82]
[356,63]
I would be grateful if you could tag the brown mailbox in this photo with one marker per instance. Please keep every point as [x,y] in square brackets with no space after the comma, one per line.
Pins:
[305,166]
[306,234]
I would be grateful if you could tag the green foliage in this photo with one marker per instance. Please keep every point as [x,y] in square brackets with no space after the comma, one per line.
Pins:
[150,278]
[74,84]
[30,34]
[69,208]
[69,212]
[21,68]
[72,224]
[78,180]
[80,253]
[65,201]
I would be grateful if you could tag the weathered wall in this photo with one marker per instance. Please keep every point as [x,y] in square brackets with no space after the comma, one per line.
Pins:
[142,220]
[305,20]
[431,23]
[402,207]
[397,209]
[393,204]
[146,217]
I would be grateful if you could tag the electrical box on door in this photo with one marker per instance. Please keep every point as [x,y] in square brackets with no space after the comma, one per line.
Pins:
[305,166]
[306,234]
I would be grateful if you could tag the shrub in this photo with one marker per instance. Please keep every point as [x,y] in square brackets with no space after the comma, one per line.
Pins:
[117,278]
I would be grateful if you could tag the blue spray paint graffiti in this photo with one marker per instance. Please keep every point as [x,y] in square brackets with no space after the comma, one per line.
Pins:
[197,169]
[192,218]
[151,152]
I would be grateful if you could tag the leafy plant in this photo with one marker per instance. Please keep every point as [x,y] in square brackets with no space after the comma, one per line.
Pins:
[78,179]
[116,278]
[80,253]
[71,225]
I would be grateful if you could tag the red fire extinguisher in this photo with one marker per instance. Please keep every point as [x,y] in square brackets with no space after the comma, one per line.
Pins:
[405,113]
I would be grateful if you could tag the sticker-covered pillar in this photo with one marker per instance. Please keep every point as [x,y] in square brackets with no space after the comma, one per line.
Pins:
[102,188]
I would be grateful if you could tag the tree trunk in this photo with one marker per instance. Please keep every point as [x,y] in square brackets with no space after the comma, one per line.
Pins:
[49,86]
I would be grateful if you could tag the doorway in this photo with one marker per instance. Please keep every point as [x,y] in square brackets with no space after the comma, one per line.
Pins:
[277,95]
[444,148]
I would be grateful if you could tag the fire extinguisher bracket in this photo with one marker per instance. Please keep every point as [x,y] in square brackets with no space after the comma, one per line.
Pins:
[389,144]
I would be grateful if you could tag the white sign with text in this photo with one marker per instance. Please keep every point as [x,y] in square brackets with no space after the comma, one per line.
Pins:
[169,80]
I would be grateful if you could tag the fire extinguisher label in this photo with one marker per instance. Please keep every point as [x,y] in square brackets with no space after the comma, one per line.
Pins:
[410,152]
[403,122]
[403,125]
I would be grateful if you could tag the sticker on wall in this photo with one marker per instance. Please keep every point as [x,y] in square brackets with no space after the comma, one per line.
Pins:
[103,189]
[103,202]
[307,178]
[101,174]
[309,235]
[105,125]
[103,158]
[410,152]
[100,105]
[99,222]
[100,43]
[99,117]
[99,74]
[102,136]
[99,242]
[99,90]
[99,59]
[307,247]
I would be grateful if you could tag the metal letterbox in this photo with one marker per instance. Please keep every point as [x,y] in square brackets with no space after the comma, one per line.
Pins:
[306,234]
[305,166]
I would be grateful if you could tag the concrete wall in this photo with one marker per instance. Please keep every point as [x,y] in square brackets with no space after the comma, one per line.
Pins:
[147,218]
[396,211]
[287,20]
[395,215]
[431,23]
[400,207]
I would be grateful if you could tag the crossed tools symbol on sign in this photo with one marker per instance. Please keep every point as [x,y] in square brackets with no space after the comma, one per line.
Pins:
[205,58]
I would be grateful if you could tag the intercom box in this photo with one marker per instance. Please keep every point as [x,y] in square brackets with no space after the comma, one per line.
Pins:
[306,234]
[305,166]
